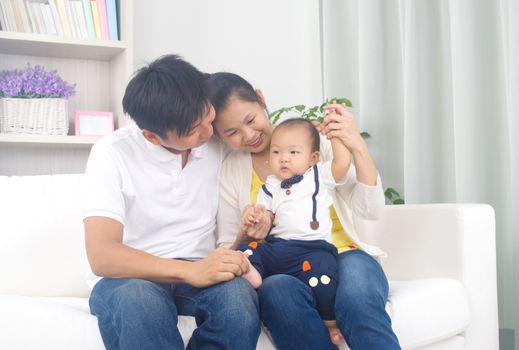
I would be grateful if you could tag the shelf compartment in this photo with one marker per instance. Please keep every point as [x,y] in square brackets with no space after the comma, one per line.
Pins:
[16,43]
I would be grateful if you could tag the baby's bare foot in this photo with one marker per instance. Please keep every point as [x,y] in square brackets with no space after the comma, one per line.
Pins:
[253,276]
[335,334]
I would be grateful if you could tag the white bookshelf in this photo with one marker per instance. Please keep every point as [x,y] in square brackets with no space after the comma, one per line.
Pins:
[64,141]
[17,43]
[99,68]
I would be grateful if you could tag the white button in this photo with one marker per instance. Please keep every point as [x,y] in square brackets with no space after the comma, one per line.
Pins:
[313,282]
[325,279]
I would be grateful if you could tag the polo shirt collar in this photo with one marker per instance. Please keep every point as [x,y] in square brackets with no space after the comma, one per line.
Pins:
[163,155]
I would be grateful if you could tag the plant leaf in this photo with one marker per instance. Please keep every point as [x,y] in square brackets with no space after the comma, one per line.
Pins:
[391,191]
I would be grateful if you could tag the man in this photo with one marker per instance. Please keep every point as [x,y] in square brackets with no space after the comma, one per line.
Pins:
[150,206]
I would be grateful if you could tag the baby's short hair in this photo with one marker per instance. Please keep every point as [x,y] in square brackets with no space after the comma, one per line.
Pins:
[314,134]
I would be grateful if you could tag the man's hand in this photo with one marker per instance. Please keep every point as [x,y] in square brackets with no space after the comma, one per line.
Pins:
[221,265]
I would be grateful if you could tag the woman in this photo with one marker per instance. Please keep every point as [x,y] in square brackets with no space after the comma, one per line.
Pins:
[287,305]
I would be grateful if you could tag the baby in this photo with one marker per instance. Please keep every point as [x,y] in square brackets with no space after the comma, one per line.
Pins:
[296,201]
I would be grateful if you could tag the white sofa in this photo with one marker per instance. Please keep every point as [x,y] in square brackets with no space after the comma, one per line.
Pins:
[441,267]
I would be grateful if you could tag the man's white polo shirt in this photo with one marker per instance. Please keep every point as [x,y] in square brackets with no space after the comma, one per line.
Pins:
[166,211]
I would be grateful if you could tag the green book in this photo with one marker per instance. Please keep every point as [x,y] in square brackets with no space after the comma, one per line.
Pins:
[89,19]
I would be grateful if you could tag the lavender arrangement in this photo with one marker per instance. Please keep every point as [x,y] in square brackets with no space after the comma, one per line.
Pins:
[34,82]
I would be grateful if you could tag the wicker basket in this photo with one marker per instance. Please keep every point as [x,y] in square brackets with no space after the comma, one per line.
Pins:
[41,116]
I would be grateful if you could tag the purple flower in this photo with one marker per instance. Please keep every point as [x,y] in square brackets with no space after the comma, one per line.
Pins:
[34,82]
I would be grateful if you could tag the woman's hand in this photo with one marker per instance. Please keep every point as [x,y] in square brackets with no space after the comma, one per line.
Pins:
[339,123]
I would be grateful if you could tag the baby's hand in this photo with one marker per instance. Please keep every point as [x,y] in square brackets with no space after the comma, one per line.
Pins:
[255,221]
[250,215]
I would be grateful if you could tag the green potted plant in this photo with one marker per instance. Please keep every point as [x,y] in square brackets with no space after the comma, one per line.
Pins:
[317,113]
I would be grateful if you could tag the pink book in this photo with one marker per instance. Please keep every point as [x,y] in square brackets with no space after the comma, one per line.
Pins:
[103,19]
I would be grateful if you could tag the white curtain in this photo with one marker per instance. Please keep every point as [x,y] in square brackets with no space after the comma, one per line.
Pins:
[436,84]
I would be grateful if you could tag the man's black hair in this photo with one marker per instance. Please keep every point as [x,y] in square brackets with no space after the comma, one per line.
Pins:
[168,94]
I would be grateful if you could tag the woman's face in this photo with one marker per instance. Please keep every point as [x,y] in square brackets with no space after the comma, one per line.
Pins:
[244,125]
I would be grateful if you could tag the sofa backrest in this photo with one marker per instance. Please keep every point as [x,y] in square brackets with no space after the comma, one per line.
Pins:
[42,251]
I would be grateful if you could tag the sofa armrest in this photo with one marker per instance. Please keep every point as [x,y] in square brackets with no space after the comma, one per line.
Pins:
[444,240]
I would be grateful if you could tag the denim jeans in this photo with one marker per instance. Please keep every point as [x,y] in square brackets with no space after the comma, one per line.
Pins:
[288,308]
[139,314]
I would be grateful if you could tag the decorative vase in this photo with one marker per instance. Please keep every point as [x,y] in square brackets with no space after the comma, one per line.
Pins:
[40,116]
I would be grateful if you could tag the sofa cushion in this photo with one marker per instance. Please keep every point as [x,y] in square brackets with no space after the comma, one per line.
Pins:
[423,312]
[454,343]
[42,235]
[40,323]
[63,324]
[428,310]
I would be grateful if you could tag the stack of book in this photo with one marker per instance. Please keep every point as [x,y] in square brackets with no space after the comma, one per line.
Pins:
[84,19]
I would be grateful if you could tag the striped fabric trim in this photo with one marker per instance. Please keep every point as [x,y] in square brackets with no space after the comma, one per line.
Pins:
[314,199]
[264,188]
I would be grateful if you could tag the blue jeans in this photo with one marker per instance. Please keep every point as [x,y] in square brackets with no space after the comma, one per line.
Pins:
[288,308]
[139,314]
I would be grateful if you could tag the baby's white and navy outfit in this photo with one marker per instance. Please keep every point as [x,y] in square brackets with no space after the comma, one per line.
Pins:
[299,243]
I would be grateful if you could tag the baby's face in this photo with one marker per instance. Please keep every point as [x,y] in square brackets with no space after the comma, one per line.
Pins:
[291,152]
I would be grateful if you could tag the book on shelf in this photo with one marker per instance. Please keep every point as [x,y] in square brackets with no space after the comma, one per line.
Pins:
[38,16]
[71,11]
[89,20]
[82,19]
[56,17]
[17,16]
[3,17]
[95,16]
[63,17]
[111,15]
[32,18]
[74,25]
[22,14]
[48,19]
[103,20]
[9,15]
[77,8]
[2,20]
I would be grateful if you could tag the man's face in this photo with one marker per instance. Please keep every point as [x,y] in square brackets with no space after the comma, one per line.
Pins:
[199,134]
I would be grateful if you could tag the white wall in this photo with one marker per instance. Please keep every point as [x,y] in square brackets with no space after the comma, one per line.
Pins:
[273,44]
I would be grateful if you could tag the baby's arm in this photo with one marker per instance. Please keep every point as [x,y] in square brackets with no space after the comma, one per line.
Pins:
[341,159]
[339,123]
[333,128]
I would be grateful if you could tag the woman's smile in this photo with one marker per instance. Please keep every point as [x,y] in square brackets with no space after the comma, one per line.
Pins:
[255,143]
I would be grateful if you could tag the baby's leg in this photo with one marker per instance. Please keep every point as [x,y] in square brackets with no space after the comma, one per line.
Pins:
[319,271]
